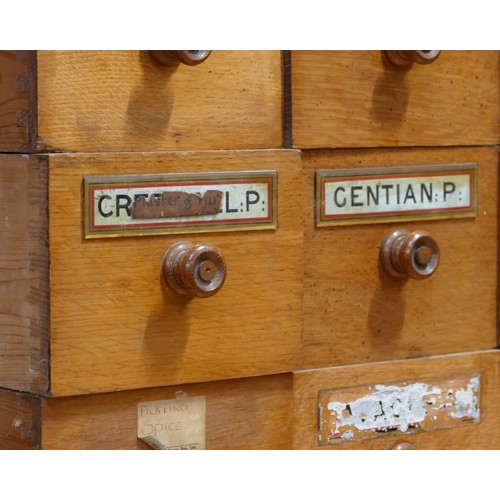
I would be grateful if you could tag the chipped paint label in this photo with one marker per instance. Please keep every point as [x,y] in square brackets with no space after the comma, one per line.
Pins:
[365,196]
[366,412]
[174,203]
[173,424]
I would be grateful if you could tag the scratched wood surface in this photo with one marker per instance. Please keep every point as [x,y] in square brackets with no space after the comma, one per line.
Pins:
[24,273]
[355,313]
[240,414]
[484,435]
[19,421]
[123,101]
[358,99]
[17,100]
[114,326]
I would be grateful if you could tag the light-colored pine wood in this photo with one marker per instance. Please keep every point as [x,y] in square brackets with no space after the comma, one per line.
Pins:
[485,435]
[17,100]
[114,327]
[123,101]
[19,421]
[24,273]
[354,313]
[356,99]
[241,414]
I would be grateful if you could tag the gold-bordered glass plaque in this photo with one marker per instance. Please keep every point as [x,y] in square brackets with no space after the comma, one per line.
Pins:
[142,205]
[371,195]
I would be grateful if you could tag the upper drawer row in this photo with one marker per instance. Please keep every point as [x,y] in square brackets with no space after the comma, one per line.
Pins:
[128,101]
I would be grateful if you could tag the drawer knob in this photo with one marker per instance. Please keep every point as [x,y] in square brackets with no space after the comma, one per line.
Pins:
[404,254]
[174,57]
[194,270]
[405,446]
[407,57]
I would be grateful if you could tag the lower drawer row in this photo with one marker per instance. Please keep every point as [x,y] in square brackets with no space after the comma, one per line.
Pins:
[442,402]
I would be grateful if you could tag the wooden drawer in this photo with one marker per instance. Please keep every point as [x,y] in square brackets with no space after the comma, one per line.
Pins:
[114,325]
[239,414]
[359,99]
[434,428]
[271,412]
[356,313]
[124,101]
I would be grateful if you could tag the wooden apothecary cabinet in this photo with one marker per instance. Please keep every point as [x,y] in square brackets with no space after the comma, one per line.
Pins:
[308,318]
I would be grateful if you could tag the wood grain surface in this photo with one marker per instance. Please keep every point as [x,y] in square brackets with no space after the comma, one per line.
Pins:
[24,268]
[17,100]
[115,327]
[124,101]
[240,414]
[355,313]
[19,421]
[359,99]
[485,435]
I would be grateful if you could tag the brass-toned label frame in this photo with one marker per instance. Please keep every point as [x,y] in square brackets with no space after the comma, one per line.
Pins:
[324,176]
[173,226]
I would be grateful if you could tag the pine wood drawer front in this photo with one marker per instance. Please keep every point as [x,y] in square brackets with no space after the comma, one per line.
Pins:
[354,312]
[251,413]
[366,383]
[124,101]
[114,326]
[360,99]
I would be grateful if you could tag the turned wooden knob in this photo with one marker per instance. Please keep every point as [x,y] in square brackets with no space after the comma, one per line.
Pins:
[174,57]
[194,270]
[404,254]
[407,57]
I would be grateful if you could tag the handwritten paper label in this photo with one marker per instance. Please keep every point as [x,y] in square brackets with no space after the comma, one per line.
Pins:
[173,424]
[368,195]
[179,203]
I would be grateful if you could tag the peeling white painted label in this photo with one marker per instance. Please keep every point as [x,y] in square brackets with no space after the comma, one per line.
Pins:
[365,412]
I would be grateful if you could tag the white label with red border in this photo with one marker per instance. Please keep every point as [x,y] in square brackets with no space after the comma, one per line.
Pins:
[403,193]
[162,204]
